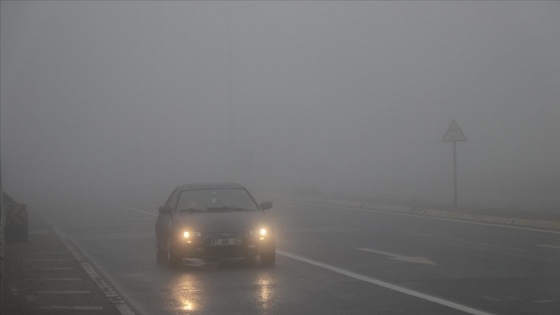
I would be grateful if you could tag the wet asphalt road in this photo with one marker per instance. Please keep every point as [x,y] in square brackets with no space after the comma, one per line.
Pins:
[331,261]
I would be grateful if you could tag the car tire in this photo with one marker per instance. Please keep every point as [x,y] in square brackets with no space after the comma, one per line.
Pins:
[161,255]
[268,259]
[174,260]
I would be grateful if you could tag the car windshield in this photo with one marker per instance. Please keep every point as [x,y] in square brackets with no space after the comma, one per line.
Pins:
[215,200]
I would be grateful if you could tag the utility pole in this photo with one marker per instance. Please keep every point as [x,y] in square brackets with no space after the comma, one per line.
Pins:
[231,102]
[2,225]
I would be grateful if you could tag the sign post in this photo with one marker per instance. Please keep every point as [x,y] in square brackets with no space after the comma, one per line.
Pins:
[454,134]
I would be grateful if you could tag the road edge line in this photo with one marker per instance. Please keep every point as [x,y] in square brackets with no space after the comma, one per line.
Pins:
[371,210]
[105,284]
[386,285]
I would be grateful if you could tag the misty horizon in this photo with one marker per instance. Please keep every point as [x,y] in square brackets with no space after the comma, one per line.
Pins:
[126,100]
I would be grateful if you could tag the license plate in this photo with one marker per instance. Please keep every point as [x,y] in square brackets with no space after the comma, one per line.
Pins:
[226,241]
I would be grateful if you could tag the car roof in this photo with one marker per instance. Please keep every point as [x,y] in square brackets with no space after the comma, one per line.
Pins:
[210,186]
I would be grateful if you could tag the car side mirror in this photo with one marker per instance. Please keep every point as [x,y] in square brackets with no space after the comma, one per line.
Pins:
[266,205]
[165,209]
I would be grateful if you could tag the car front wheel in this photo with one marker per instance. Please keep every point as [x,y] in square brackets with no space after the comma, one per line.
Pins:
[161,254]
[268,259]
[174,260]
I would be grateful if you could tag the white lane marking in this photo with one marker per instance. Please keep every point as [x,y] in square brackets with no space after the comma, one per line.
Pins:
[63,292]
[13,289]
[319,229]
[39,232]
[386,285]
[71,308]
[129,208]
[418,260]
[109,292]
[124,309]
[548,246]
[31,298]
[424,217]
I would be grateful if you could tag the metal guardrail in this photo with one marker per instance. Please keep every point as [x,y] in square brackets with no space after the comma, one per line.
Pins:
[3,214]
[529,221]
[13,229]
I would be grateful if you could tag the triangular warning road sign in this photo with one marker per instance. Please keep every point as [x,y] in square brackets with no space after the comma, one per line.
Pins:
[454,133]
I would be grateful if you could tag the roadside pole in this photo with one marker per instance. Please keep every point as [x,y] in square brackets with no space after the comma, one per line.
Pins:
[455,174]
[2,251]
[231,117]
[454,134]
[2,225]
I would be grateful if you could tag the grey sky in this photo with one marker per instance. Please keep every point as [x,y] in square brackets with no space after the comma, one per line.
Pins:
[131,98]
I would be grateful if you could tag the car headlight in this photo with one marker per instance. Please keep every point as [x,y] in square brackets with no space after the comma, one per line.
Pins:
[261,233]
[189,234]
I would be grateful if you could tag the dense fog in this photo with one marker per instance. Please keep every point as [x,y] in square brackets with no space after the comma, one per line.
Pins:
[123,101]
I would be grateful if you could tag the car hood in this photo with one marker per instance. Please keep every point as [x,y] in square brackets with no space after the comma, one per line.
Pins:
[234,221]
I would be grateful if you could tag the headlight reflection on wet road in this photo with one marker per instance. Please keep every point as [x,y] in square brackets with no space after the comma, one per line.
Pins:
[204,291]
[264,282]
[184,292]
[187,305]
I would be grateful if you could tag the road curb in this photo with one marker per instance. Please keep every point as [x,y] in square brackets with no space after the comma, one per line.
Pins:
[499,220]
[50,275]
[540,224]
[89,267]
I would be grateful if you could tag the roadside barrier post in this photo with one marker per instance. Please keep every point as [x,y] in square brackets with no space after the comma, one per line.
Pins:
[16,224]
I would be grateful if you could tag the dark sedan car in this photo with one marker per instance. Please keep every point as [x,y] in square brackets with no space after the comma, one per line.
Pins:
[213,221]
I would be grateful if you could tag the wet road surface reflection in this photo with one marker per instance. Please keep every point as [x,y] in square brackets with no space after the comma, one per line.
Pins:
[199,287]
